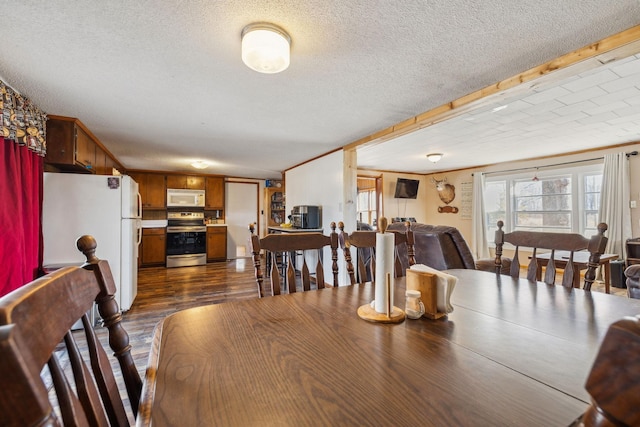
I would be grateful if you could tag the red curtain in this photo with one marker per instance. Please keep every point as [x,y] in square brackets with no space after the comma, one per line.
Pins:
[21,174]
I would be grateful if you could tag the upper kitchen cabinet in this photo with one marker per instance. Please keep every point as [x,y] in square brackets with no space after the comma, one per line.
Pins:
[152,189]
[189,182]
[214,193]
[69,146]
[100,165]
[72,147]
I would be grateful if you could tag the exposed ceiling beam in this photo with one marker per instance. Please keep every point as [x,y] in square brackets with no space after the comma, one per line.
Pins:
[612,48]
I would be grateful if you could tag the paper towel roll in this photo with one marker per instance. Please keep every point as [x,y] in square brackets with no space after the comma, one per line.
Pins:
[385,254]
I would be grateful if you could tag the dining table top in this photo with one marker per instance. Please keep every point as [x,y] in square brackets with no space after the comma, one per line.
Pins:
[579,257]
[512,352]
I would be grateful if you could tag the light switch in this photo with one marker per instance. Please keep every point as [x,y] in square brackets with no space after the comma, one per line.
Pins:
[633,204]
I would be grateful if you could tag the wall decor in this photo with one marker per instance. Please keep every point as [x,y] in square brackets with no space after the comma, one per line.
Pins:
[466,200]
[447,194]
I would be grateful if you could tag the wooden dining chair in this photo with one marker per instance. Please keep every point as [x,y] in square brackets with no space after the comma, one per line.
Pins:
[288,248]
[614,378]
[568,242]
[35,330]
[365,244]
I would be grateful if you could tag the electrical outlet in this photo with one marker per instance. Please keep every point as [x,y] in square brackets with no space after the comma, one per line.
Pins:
[633,204]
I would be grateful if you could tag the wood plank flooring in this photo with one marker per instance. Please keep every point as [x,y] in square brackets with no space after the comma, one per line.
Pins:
[163,291]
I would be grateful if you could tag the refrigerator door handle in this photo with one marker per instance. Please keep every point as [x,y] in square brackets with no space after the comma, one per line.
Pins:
[139,227]
[139,205]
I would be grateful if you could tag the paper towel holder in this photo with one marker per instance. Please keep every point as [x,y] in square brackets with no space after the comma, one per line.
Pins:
[392,314]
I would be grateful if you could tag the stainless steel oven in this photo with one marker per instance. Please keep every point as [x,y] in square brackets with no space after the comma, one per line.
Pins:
[186,239]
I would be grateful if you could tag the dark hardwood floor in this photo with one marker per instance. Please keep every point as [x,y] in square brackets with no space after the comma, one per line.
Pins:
[163,291]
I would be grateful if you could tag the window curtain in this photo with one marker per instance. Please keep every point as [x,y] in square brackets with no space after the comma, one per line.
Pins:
[614,202]
[22,147]
[479,242]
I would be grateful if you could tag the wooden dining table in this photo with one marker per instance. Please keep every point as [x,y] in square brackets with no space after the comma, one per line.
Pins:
[580,262]
[512,352]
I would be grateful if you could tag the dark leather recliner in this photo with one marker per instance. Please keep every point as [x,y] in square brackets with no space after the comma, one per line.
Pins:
[633,280]
[441,247]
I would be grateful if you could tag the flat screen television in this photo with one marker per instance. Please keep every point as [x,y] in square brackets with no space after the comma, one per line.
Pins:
[406,188]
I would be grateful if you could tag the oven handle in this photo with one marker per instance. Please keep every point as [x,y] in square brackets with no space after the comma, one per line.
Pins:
[186,256]
[186,229]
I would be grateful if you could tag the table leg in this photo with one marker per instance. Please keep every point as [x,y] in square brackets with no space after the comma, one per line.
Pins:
[607,276]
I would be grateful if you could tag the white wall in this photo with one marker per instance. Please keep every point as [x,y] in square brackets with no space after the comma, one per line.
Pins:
[321,182]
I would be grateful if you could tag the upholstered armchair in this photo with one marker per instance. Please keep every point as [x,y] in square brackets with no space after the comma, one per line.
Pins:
[441,247]
[633,280]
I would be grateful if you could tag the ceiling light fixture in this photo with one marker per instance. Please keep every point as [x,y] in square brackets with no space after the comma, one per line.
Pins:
[265,48]
[200,164]
[434,157]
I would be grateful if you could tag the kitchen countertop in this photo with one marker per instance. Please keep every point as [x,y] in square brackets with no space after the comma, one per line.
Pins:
[216,225]
[293,230]
[154,223]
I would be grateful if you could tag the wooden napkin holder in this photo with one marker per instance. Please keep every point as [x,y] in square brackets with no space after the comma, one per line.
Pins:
[427,284]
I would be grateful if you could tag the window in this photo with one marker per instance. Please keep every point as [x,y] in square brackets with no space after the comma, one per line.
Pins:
[564,201]
[367,196]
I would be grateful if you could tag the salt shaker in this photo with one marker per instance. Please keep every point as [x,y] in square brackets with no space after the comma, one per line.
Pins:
[414,308]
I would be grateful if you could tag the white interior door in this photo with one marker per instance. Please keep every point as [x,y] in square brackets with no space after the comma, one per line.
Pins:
[241,207]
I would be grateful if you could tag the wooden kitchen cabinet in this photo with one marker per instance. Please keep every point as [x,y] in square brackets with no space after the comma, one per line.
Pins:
[214,193]
[100,165]
[217,243]
[69,145]
[153,247]
[188,182]
[152,189]
[110,165]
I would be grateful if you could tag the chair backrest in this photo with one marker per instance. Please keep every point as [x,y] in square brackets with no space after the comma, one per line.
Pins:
[35,330]
[614,378]
[365,243]
[285,250]
[567,242]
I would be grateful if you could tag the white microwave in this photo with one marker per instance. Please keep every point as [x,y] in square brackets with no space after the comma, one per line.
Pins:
[184,198]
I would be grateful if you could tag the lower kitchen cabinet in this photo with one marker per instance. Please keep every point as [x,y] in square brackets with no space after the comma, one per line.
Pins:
[153,248]
[216,243]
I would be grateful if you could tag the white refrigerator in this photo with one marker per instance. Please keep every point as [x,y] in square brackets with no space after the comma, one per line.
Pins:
[108,208]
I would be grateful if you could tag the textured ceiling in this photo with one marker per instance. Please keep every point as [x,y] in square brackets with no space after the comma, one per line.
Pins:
[161,83]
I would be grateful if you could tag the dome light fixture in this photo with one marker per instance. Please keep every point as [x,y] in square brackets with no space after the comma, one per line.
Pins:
[200,164]
[434,157]
[265,48]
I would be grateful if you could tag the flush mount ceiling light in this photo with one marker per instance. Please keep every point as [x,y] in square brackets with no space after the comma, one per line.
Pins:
[200,164]
[434,157]
[265,47]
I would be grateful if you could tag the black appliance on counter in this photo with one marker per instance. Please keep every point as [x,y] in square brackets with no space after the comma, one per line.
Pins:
[186,239]
[306,216]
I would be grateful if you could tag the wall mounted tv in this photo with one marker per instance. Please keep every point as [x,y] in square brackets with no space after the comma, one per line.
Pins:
[406,188]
